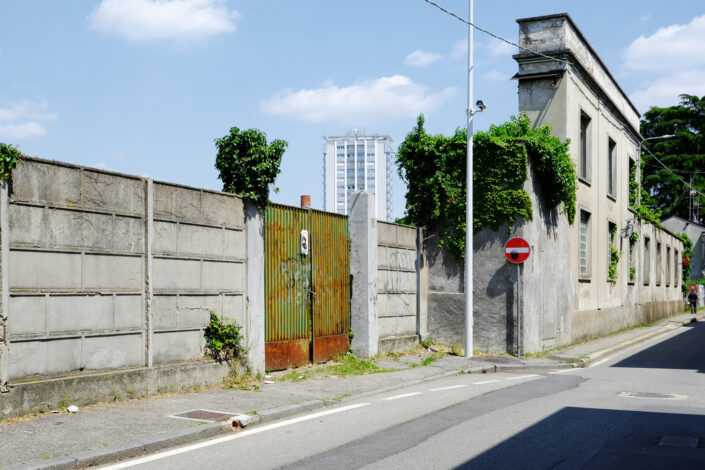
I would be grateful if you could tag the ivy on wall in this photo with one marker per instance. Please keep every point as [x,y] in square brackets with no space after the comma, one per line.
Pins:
[642,210]
[614,255]
[9,156]
[688,254]
[632,243]
[433,166]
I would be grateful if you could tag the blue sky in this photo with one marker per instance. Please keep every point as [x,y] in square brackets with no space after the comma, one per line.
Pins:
[145,86]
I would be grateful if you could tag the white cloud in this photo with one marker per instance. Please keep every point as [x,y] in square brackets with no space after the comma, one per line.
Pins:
[27,110]
[673,47]
[25,130]
[460,49]
[19,120]
[421,58]
[501,48]
[497,76]
[141,20]
[664,90]
[670,62]
[385,98]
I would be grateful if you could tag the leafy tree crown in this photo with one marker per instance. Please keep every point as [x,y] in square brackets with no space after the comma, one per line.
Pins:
[248,165]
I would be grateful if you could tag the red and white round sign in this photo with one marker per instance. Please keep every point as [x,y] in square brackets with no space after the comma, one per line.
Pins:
[517,250]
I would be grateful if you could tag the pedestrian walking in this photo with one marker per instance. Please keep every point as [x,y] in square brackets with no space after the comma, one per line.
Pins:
[693,300]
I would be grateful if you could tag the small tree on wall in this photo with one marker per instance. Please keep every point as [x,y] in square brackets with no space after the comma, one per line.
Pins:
[9,156]
[248,165]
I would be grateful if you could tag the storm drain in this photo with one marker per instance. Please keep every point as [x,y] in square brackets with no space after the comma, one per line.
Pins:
[657,396]
[679,441]
[205,415]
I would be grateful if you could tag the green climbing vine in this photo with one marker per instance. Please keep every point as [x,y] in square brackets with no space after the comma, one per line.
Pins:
[9,156]
[642,210]
[687,254]
[614,255]
[634,237]
[433,166]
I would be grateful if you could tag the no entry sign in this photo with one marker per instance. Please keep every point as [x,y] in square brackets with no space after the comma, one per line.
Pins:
[517,250]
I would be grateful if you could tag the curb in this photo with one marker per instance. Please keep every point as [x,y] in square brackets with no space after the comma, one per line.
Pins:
[670,326]
[137,448]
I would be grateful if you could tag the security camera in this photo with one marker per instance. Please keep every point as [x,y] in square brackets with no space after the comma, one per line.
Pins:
[480,105]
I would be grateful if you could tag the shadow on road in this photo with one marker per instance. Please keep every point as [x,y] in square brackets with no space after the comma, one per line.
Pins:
[684,351]
[598,439]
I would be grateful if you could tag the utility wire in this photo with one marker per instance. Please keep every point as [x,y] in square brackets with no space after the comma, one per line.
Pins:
[672,172]
[494,35]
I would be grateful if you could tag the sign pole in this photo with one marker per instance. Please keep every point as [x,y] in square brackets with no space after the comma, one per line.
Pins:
[518,250]
[519,345]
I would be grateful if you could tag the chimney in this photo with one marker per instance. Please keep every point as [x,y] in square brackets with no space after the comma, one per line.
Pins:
[306,202]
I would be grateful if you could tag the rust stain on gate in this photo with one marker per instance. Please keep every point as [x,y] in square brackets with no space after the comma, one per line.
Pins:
[307,296]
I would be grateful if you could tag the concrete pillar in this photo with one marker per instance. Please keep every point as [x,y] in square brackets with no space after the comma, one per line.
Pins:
[254,221]
[362,224]
[148,291]
[421,286]
[5,290]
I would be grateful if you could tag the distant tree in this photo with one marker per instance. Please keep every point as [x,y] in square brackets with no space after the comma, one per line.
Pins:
[248,165]
[684,154]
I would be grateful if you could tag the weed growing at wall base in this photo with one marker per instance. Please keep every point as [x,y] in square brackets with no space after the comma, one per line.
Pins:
[223,339]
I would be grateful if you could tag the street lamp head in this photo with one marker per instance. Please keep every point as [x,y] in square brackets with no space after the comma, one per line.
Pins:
[481,105]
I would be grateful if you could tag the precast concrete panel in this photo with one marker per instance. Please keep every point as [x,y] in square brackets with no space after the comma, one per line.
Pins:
[234,245]
[397,326]
[176,346]
[176,274]
[396,281]
[27,224]
[228,276]
[223,210]
[44,357]
[46,182]
[198,240]
[391,305]
[112,352]
[112,272]
[44,270]
[177,203]
[72,313]
[28,315]
[110,192]
[128,311]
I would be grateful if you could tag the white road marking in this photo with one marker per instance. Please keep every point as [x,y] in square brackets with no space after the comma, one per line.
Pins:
[522,377]
[598,363]
[231,437]
[564,370]
[486,382]
[451,387]
[396,397]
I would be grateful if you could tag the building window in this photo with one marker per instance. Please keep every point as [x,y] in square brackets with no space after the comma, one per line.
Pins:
[658,266]
[585,241]
[585,146]
[612,168]
[647,261]
[676,271]
[632,260]
[668,266]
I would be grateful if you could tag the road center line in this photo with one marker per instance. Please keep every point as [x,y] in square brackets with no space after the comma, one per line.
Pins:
[522,377]
[231,437]
[396,397]
[450,387]
[486,382]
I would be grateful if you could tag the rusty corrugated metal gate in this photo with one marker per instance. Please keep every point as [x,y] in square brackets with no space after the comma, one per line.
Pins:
[307,296]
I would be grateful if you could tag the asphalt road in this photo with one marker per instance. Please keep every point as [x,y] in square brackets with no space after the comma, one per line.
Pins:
[641,408]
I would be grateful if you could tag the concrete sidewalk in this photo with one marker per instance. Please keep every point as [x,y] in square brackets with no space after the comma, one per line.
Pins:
[104,433]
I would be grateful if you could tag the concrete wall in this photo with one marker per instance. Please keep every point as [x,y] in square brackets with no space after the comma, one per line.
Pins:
[397,286]
[108,271]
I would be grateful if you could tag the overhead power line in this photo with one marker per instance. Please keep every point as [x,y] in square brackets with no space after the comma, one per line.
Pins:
[673,172]
[494,35]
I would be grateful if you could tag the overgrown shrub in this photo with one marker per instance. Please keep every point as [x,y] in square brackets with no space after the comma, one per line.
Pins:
[223,339]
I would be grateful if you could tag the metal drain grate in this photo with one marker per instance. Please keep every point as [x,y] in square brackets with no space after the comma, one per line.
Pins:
[205,415]
[679,441]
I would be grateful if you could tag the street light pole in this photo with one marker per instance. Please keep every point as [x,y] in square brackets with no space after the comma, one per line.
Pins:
[638,163]
[468,202]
